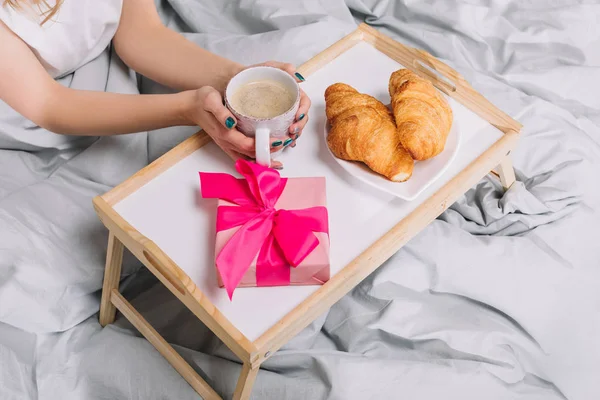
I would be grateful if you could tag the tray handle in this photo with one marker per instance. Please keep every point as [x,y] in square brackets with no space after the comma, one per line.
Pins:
[445,76]
[420,61]
[441,76]
[143,248]
[453,84]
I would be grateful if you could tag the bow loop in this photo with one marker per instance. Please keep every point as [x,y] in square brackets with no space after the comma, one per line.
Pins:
[265,184]
[260,186]
[293,236]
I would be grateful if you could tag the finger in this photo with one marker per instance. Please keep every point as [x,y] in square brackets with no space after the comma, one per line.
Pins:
[287,67]
[213,103]
[301,116]
[245,145]
[296,129]
[239,142]
[296,133]
[234,155]
[276,164]
[277,143]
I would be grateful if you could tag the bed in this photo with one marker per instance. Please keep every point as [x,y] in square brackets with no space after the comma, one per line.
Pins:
[496,299]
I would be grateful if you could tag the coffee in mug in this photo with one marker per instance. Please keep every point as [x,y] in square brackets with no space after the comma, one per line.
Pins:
[262,99]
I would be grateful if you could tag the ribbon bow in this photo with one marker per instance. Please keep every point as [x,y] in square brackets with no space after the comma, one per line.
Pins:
[281,238]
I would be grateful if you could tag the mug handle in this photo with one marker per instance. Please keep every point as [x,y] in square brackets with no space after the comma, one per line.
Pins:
[263,146]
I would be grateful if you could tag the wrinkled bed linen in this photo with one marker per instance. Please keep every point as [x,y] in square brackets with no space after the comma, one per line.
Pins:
[496,299]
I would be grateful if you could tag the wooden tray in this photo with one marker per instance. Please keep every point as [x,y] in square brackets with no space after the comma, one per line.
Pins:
[160,217]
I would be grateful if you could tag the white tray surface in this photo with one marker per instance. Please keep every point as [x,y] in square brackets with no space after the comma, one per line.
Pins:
[170,211]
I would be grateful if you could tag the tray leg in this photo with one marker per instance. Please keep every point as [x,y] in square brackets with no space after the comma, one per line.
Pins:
[245,382]
[164,348]
[112,275]
[506,172]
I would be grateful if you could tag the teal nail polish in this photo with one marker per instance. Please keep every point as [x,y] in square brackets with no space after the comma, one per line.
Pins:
[277,143]
[229,122]
[288,141]
[299,76]
[300,117]
[296,136]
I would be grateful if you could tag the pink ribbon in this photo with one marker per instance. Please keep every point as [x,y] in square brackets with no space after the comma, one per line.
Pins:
[281,238]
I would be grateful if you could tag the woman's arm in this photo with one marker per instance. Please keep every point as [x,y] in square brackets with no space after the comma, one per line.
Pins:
[84,113]
[165,56]
[30,90]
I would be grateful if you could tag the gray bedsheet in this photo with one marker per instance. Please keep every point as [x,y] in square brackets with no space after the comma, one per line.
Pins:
[497,299]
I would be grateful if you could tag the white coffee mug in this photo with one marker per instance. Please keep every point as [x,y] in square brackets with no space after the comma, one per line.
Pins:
[262,129]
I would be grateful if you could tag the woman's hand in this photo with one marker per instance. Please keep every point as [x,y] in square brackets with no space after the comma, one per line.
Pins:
[302,115]
[208,112]
[219,123]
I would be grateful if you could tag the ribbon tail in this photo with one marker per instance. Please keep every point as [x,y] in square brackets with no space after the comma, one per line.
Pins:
[272,269]
[237,255]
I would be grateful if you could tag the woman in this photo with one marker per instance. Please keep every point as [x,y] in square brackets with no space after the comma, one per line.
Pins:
[46,39]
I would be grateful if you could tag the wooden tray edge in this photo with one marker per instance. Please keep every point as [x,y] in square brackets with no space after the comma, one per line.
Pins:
[256,352]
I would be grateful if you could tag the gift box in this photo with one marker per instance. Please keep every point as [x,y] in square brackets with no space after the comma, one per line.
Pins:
[270,230]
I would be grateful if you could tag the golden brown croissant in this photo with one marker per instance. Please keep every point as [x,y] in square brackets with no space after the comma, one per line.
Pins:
[362,129]
[422,114]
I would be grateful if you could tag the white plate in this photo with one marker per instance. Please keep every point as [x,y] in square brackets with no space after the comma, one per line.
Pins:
[424,174]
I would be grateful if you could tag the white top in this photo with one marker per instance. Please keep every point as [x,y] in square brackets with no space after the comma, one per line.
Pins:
[75,35]
[78,33]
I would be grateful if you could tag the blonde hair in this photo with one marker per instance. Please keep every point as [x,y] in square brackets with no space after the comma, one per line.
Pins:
[46,10]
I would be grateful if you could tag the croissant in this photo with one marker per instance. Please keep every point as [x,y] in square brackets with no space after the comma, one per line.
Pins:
[423,116]
[363,129]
